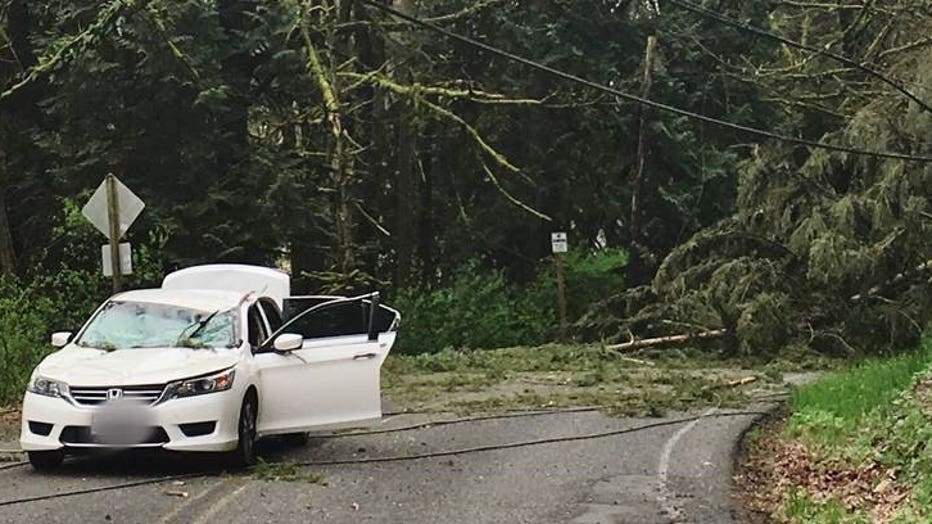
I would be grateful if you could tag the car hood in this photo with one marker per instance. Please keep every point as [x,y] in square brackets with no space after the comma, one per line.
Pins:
[77,366]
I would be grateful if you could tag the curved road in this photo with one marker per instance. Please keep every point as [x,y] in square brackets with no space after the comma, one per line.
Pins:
[677,471]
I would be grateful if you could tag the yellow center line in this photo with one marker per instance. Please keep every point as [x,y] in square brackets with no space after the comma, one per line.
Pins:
[223,501]
[187,503]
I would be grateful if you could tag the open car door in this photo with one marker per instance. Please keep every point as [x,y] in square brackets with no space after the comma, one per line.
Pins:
[333,379]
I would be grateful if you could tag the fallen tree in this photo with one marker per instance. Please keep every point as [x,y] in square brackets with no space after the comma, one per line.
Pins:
[823,250]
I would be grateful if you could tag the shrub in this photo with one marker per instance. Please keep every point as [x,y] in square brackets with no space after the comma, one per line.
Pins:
[479,309]
[476,309]
[23,337]
[590,278]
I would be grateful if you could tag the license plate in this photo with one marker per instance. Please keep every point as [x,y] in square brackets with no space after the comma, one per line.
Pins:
[121,423]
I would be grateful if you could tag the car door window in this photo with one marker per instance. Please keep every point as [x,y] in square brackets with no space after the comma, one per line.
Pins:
[333,318]
[272,315]
[336,321]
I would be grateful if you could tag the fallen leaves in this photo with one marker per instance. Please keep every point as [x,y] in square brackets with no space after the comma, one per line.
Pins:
[773,468]
[922,392]
[10,416]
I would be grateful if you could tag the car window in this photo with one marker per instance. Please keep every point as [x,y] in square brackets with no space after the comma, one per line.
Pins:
[339,320]
[272,314]
[348,318]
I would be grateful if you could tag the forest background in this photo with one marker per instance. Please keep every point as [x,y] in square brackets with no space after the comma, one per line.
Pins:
[358,151]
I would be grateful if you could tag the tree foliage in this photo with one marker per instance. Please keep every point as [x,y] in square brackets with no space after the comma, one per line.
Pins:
[359,150]
[825,248]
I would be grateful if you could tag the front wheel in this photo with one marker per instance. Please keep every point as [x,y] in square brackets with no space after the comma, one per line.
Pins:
[245,454]
[45,460]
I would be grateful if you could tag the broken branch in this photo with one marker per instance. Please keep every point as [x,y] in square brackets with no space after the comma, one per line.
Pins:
[666,341]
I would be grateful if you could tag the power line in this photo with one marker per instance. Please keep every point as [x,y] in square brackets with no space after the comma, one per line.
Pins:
[633,98]
[529,443]
[689,6]
[394,458]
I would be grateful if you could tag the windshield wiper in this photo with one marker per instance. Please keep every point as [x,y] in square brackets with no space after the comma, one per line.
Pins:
[201,324]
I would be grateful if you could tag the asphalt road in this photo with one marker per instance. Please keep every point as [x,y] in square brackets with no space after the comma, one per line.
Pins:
[672,471]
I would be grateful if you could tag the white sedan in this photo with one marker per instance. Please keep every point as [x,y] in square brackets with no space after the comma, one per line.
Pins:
[208,362]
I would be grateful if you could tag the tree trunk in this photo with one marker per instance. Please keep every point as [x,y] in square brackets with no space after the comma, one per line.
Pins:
[7,251]
[640,269]
[406,198]
[669,340]
[425,251]
[342,166]
[340,159]
[22,109]
[406,178]
[236,70]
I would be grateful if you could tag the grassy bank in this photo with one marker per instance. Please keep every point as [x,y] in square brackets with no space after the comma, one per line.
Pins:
[854,448]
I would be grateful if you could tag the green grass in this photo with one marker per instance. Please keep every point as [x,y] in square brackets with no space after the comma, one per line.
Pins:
[851,394]
[801,507]
[877,414]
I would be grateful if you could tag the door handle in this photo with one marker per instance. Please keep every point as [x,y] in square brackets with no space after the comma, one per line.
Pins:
[365,355]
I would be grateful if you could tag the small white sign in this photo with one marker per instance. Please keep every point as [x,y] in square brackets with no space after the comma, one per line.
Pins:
[558,242]
[128,203]
[126,259]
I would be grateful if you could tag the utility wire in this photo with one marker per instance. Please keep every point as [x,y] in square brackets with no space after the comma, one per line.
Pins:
[702,11]
[98,489]
[448,422]
[530,443]
[397,458]
[643,101]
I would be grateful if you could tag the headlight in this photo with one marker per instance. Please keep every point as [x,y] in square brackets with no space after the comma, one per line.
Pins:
[47,387]
[221,381]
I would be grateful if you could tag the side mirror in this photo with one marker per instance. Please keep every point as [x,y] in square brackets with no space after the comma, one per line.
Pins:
[61,339]
[288,342]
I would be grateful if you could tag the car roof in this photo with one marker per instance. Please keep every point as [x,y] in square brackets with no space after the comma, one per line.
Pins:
[199,299]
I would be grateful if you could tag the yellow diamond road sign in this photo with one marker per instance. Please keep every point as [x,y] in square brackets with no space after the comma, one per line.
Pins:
[128,203]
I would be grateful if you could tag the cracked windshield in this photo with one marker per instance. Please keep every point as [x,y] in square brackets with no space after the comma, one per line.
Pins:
[123,325]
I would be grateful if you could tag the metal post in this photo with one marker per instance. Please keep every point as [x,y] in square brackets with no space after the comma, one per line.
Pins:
[561,295]
[113,216]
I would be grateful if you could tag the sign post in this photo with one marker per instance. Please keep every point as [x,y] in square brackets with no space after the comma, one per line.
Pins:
[112,210]
[114,234]
[559,246]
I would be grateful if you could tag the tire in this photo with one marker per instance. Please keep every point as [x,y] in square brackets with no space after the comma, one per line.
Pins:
[245,454]
[46,460]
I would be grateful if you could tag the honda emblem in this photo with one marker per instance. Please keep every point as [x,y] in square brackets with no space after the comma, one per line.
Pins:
[114,394]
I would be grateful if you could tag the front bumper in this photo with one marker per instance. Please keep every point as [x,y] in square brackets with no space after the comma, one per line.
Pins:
[223,408]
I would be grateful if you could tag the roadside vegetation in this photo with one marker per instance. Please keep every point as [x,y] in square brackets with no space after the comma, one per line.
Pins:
[57,294]
[480,308]
[571,375]
[855,447]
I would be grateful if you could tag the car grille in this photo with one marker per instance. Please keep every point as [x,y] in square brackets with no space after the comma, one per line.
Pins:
[92,396]
[82,435]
